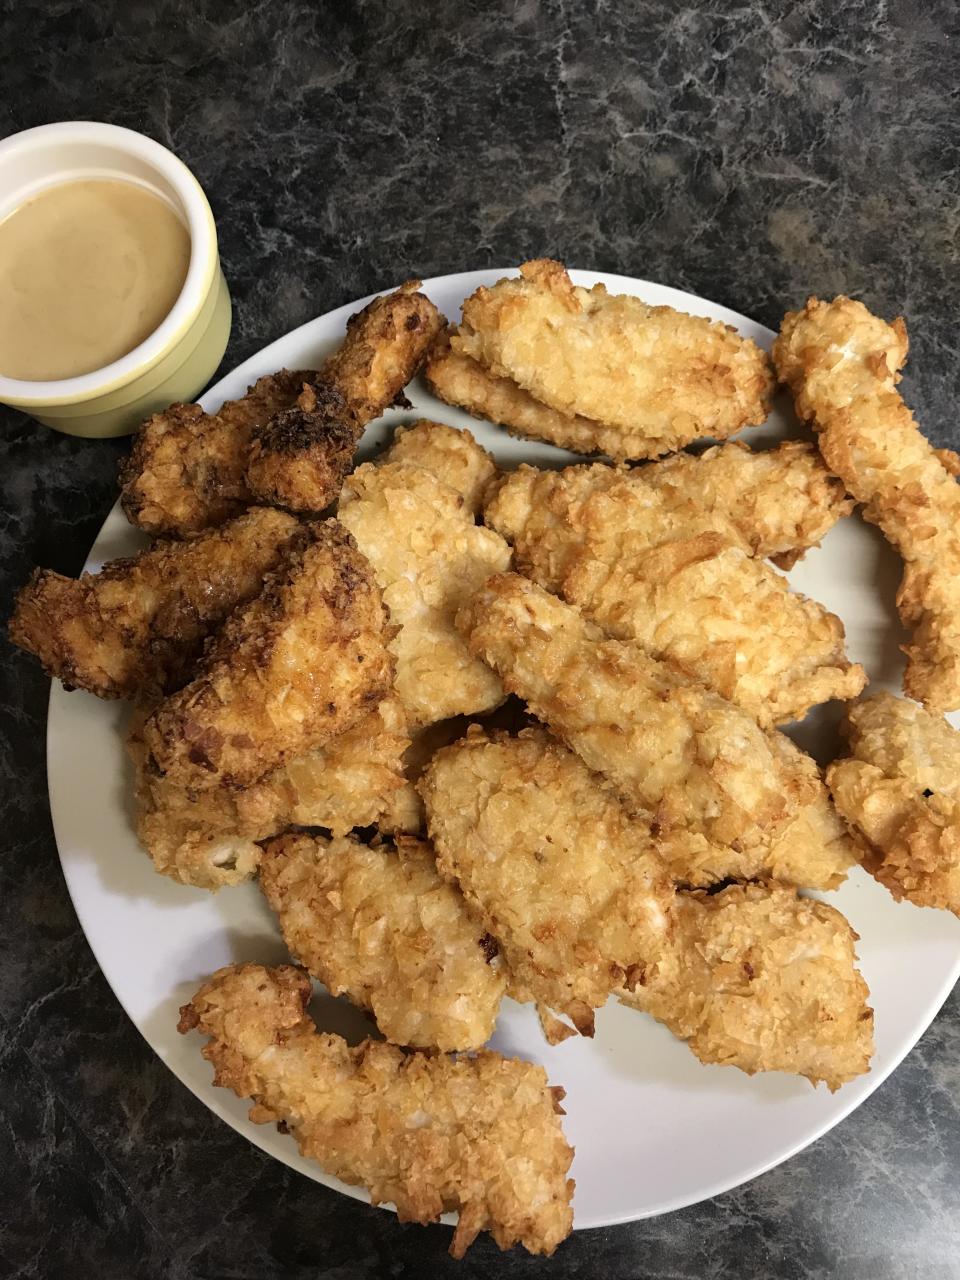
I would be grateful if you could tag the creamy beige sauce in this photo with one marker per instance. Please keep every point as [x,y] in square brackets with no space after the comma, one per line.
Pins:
[88,270]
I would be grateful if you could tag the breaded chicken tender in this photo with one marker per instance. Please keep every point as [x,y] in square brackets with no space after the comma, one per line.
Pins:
[292,669]
[460,381]
[758,978]
[428,556]
[298,460]
[208,839]
[186,470]
[479,1136]
[570,886]
[138,626]
[380,926]
[776,502]
[453,456]
[614,359]
[900,793]
[671,747]
[843,365]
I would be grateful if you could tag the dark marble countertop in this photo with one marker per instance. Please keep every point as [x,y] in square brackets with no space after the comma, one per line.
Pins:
[752,153]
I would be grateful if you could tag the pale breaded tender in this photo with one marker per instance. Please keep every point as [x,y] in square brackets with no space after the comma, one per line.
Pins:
[671,747]
[570,886]
[612,358]
[138,626]
[776,502]
[380,926]
[299,458]
[479,1136]
[187,469]
[758,978]
[292,669]
[453,456]
[900,792]
[842,365]
[208,839]
[428,556]
[460,381]
[404,814]
[385,344]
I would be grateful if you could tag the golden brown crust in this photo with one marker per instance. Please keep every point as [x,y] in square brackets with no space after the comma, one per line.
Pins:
[428,556]
[385,345]
[613,359]
[292,669]
[569,885]
[299,458]
[900,792]
[208,839]
[138,626]
[758,978]
[672,749]
[380,926]
[479,1136]
[186,470]
[842,365]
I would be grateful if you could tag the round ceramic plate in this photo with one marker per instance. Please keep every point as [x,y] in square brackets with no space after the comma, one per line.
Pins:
[653,1129]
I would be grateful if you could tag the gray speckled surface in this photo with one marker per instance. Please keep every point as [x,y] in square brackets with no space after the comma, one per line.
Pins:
[752,153]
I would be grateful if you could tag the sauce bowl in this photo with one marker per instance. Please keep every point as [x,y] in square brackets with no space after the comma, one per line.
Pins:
[178,359]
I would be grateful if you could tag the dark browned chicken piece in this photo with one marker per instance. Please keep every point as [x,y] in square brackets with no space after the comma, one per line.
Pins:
[299,459]
[298,665]
[138,626]
[186,471]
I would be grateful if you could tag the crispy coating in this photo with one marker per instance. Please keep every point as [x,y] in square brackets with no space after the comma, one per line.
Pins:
[670,747]
[612,358]
[775,502]
[186,470]
[299,458]
[452,455]
[138,626]
[900,793]
[842,365]
[208,839]
[428,556]
[385,345]
[380,926]
[758,978]
[479,1136]
[292,669]
[462,382]
[570,886]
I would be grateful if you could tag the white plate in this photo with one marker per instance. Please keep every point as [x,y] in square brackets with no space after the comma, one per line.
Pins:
[653,1129]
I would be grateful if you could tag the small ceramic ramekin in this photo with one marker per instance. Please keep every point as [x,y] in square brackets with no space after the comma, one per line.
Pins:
[177,360]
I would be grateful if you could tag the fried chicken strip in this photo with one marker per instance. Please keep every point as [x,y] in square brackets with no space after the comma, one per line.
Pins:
[299,459]
[775,502]
[758,978]
[380,926]
[208,839]
[139,624]
[900,792]
[292,669]
[612,358]
[570,886]
[479,1136]
[453,456]
[842,365]
[671,748]
[186,470]
[428,556]
[460,381]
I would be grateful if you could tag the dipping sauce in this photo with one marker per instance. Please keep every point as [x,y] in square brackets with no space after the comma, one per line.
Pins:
[88,270]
